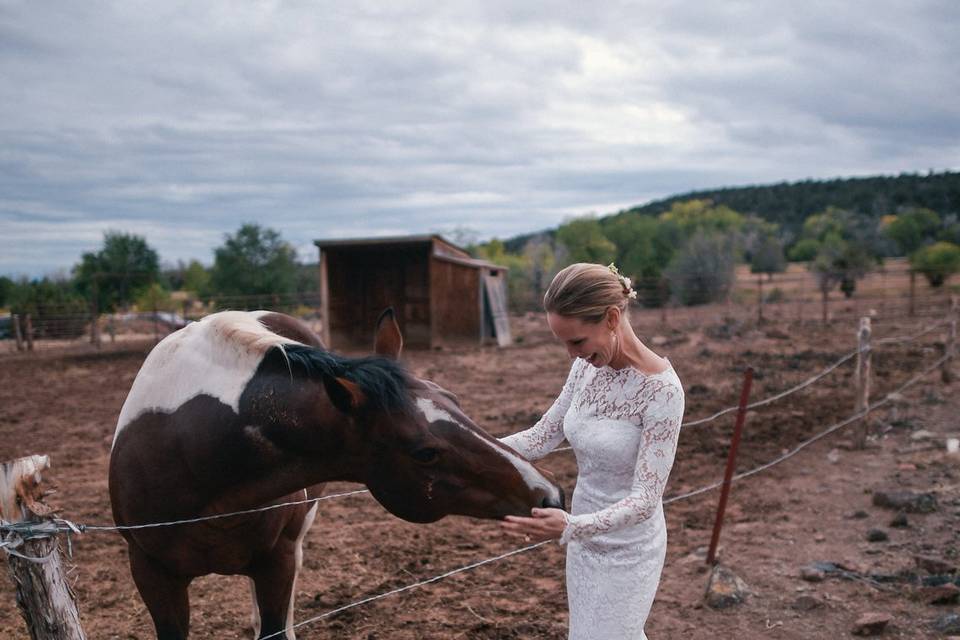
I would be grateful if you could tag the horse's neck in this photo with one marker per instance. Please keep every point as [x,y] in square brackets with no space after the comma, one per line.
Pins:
[283,448]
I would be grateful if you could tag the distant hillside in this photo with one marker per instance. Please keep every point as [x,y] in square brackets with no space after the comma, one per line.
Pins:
[788,204]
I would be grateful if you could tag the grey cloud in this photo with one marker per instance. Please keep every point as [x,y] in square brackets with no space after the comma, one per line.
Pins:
[182,121]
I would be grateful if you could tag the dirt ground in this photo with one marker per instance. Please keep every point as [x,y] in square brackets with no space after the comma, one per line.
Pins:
[794,514]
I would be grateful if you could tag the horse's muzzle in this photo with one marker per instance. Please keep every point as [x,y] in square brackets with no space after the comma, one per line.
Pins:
[553,501]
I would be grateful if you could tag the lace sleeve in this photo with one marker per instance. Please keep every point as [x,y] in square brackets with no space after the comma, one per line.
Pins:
[660,416]
[547,433]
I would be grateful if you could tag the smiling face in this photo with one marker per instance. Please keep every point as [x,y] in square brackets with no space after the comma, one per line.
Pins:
[595,342]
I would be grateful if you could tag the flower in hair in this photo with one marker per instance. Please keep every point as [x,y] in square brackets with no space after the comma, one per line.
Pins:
[625,282]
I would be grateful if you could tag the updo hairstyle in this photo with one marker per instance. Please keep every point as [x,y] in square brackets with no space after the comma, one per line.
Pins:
[584,290]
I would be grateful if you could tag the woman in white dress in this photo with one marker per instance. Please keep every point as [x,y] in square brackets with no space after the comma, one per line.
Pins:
[621,410]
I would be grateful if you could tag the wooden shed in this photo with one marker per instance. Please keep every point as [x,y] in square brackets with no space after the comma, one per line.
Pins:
[440,293]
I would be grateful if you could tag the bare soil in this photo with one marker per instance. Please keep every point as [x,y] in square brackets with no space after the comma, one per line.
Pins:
[778,521]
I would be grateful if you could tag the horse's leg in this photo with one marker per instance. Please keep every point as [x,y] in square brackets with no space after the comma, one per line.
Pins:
[275,577]
[164,594]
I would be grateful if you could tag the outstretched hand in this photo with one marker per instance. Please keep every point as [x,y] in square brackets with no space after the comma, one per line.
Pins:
[544,524]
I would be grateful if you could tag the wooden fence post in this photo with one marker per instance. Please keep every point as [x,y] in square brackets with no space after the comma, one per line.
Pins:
[759,298]
[862,400]
[16,331]
[913,291]
[28,331]
[950,344]
[94,325]
[46,601]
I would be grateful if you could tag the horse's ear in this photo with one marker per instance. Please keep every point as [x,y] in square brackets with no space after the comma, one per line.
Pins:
[388,342]
[345,395]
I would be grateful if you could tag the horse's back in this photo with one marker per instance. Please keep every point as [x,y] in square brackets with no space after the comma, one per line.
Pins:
[289,327]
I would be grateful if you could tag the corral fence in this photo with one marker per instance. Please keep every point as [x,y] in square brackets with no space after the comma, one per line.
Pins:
[31,534]
[893,292]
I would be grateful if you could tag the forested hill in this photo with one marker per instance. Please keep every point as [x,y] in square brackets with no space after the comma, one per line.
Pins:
[789,204]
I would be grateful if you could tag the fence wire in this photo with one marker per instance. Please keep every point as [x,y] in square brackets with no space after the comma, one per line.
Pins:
[10,530]
[740,476]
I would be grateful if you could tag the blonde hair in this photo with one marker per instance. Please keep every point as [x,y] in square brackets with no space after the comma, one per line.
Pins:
[584,290]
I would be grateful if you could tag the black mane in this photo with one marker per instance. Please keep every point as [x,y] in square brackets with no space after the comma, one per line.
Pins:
[383,381]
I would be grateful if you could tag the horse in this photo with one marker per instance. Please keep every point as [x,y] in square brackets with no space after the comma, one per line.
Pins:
[246,409]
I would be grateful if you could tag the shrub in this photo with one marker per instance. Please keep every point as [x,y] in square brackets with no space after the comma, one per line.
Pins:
[703,271]
[937,262]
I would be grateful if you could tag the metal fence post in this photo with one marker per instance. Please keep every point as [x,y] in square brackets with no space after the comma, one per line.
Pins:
[731,465]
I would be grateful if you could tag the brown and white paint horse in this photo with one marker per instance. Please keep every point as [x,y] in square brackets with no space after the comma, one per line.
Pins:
[244,409]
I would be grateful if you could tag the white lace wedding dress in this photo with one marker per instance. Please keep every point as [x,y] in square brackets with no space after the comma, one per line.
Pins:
[623,427]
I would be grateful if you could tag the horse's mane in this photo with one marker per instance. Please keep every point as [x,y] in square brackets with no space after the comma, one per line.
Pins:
[384,382]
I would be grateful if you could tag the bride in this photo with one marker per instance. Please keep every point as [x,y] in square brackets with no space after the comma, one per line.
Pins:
[620,410]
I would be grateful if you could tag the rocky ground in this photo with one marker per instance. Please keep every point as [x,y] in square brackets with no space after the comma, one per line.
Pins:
[807,537]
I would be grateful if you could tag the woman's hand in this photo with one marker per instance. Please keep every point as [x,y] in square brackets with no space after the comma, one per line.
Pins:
[545,524]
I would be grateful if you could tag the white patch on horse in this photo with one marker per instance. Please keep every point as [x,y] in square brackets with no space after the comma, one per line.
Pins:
[307,523]
[255,613]
[533,478]
[216,356]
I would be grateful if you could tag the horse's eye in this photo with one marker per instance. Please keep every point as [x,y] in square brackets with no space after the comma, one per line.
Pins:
[427,455]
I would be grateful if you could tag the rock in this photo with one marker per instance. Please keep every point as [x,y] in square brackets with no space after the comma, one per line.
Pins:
[811,573]
[906,501]
[859,514]
[659,340]
[725,588]
[877,535]
[944,594]
[922,434]
[834,456]
[807,603]
[933,565]
[947,623]
[871,624]
[900,521]
[897,398]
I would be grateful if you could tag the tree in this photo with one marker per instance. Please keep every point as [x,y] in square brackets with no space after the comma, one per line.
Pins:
[254,261]
[55,307]
[767,256]
[6,288]
[703,271]
[154,297]
[196,279]
[912,229]
[701,215]
[521,292]
[804,250]
[847,245]
[110,277]
[937,262]
[585,241]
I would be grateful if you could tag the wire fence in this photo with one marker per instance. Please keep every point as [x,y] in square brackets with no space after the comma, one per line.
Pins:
[794,296]
[667,501]
[13,534]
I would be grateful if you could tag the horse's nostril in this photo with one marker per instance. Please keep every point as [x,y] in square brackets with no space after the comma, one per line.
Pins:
[553,502]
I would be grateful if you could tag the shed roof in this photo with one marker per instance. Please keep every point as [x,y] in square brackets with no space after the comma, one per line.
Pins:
[453,253]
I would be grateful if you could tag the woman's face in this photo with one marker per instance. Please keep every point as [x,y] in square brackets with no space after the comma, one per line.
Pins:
[592,341]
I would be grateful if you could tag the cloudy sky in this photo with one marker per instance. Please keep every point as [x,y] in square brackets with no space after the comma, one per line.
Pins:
[181,121]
